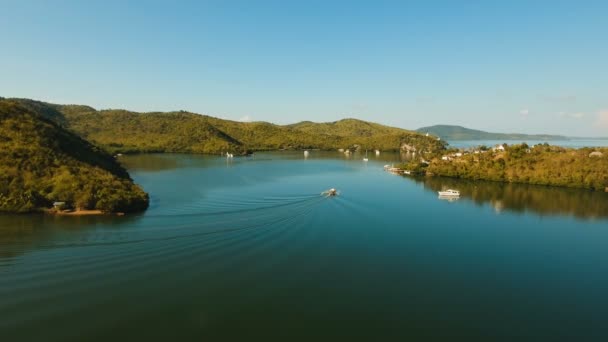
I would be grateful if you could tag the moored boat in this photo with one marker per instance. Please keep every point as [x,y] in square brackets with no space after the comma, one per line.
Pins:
[449,193]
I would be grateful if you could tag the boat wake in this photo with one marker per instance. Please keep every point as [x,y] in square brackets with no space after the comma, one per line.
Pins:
[239,216]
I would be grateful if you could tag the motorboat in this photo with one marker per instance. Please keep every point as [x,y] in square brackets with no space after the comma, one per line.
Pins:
[330,193]
[449,193]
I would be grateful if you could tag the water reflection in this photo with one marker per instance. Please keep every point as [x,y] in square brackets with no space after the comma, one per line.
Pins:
[170,161]
[521,198]
[448,198]
[149,162]
[20,233]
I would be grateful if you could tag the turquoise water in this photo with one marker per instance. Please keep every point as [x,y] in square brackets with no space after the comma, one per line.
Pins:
[249,250]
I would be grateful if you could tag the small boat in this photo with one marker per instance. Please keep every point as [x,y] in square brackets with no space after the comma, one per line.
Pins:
[392,169]
[449,193]
[331,192]
[365,158]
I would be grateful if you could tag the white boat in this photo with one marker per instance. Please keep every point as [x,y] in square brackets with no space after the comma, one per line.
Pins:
[365,159]
[330,193]
[449,193]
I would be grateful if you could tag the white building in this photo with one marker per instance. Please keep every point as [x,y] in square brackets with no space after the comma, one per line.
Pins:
[499,148]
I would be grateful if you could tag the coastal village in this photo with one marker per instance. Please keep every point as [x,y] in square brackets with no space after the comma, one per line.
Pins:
[541,164]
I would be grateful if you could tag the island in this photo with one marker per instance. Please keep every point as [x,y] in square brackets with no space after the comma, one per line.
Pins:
[453,132]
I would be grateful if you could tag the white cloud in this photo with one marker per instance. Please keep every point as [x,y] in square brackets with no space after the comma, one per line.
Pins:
[245,118]
[602,119]
[524,112]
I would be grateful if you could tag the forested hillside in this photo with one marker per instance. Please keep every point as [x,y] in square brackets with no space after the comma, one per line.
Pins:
[125,132]
[40,162]
[541,164]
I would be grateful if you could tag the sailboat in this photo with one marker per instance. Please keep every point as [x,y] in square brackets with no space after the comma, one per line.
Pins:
[365,159]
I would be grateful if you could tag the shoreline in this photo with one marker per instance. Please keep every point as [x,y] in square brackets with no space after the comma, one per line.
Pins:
[80,212]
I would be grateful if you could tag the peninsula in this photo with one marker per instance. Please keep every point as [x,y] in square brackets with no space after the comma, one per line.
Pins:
[539,164]
[42,164]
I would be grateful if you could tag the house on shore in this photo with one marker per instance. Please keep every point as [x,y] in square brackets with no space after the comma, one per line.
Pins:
[499,148]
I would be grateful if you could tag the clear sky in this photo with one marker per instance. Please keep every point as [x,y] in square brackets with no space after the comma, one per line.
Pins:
[507,66]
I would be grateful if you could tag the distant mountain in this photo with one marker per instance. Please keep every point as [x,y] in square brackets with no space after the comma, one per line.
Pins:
[449,132]
[124,131]
[41,162]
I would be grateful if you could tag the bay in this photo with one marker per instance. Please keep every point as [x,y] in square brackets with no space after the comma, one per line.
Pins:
[248,249]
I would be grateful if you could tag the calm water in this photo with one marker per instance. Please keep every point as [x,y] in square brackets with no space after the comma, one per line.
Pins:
[248,250]
[572,143]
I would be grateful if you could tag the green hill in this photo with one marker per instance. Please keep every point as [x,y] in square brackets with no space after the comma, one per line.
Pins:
[126,132]
[449,132]
[40,162]
[541,164]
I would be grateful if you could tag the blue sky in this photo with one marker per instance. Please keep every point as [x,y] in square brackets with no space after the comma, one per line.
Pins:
[509,66]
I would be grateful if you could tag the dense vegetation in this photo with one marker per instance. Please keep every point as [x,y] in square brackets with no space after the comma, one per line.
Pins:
[541,164]
[449,133]
[40,163]
[120,131]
